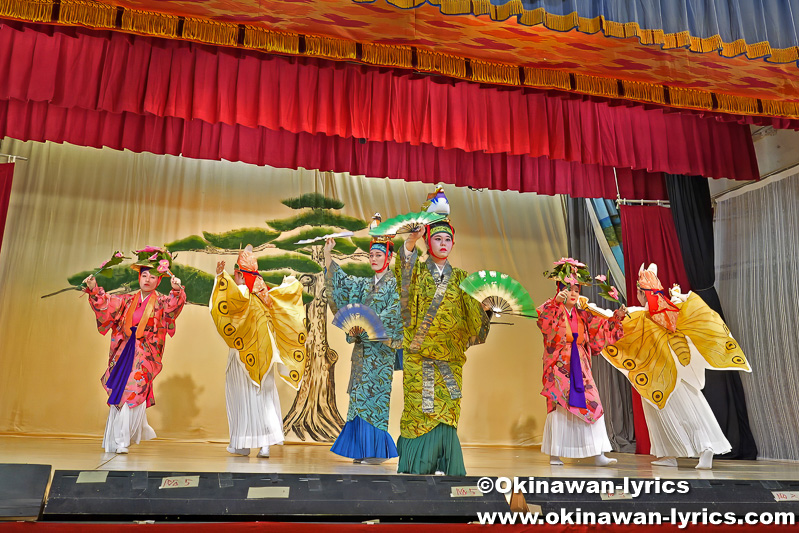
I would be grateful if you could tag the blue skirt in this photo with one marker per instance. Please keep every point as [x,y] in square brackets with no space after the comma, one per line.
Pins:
[360,440]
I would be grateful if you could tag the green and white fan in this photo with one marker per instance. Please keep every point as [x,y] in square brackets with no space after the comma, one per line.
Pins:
[406,223]
[500,291]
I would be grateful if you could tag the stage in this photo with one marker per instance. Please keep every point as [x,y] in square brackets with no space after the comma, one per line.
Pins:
[327,489]
[179,456]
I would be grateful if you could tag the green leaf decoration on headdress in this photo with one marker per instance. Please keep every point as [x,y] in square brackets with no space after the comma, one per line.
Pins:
[569,272]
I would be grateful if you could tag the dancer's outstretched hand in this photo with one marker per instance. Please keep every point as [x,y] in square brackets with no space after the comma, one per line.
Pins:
[220,267]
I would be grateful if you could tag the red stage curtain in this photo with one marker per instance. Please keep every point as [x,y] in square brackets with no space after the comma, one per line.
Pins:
[113,72]
[40,122]
[6,177]
[649,236]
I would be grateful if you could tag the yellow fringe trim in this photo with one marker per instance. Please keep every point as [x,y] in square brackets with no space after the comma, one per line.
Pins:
[538,77]
[784,55]
[32,10]
[388,55]
[87,13]
[734,48]
[329,47]
[209,31]
[514,8]
[442,63]
[404,4]
[456,7]
[613,29]
[150,23]
[780,108]
[648,92]
[488,72]
[482,7]
[737,104]
[271,41]
[561,22]
[690,98]
[593,25]
[597,85]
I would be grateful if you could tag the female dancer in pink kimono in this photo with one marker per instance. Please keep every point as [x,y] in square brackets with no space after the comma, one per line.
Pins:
[574,426]
[139,323]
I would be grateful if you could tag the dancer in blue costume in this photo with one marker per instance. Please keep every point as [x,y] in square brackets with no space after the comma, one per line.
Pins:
[365,437]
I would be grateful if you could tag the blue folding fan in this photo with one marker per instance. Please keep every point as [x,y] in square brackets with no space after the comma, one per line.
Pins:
[358,318]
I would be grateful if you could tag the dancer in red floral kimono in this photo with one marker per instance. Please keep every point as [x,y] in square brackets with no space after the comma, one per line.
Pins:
[574,426]
[139,323]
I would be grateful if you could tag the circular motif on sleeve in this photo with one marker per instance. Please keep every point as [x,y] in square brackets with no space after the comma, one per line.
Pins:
[238,343]
[731,345]
[628,364]
[738,360]
[222,308]
[229,330]
[612,350]
[249,359]
[298,355]
[301,337]
[641,380]
[222,284]
[294,375]
[657,396]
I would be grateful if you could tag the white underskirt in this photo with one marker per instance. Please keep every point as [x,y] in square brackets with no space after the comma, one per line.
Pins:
[685,427]
[126,426]
[567,435]
[254,416]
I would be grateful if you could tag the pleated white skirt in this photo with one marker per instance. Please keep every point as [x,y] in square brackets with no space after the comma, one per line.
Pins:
[567,435]
[254,416]
[685,427]
[125,426]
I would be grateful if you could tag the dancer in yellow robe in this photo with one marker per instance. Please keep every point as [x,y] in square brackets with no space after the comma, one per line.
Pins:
[666,347]
[266,335]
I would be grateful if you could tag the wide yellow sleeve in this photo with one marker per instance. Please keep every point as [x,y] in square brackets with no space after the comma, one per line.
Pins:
[243,324]
[288,317]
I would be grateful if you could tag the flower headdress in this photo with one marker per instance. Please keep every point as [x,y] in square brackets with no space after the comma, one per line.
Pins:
[569,272]
[153,257]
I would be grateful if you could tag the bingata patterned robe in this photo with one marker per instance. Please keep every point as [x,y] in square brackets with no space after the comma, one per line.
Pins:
[372,362]
[440,323]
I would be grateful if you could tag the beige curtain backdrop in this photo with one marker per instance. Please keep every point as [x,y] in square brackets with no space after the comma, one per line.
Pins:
[72,206]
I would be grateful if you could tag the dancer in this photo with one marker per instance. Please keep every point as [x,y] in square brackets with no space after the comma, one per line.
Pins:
[266,335]
[365,437]
[139,323]
[574,427]
[440,322]
[664,353]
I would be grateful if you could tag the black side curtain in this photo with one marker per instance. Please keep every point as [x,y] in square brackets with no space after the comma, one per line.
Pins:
[693,218]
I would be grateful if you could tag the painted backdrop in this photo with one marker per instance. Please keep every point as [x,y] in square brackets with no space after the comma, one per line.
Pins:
[72,206]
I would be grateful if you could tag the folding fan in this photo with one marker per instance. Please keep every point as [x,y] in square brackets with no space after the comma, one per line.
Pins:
[503,293]
[363,317]
[406,223]
[323,237]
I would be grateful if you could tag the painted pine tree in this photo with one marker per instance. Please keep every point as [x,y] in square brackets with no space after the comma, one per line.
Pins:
[314,413]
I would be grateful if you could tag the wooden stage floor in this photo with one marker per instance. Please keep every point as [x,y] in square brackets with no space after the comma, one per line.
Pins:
[175,456]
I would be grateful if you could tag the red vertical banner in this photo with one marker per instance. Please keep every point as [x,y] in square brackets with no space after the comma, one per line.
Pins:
[649,236]
[6,177]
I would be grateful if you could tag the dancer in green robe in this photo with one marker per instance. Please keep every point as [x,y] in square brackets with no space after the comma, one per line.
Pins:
[440,323]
